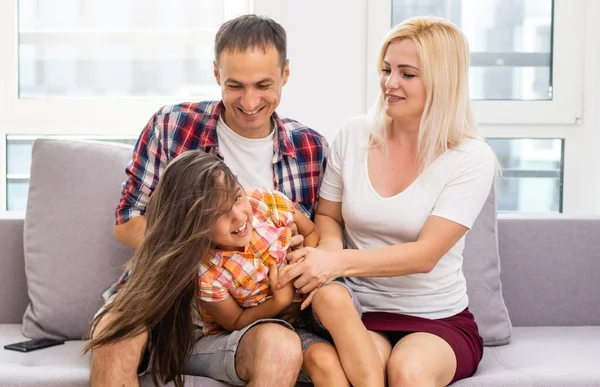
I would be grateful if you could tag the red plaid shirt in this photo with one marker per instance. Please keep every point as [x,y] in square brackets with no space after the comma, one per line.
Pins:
[299,155]
[299,158]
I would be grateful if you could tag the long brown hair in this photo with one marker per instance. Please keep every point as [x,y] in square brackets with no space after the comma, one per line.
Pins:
[160,295]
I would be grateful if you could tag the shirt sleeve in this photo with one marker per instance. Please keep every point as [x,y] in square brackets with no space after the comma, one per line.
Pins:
[213,283]
[332,187]
[143,171]
[469,186]
[273,205]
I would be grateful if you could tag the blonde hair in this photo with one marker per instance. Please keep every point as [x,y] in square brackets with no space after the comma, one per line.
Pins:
[447,118]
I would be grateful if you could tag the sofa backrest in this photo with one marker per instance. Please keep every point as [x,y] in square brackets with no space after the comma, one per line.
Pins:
[71,255]
[13,288]
[551,269]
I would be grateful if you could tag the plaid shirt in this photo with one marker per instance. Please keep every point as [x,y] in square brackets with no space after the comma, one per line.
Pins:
[245,275]
[299,158]
[299,155]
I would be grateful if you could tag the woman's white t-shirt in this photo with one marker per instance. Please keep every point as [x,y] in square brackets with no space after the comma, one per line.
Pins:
[455,187]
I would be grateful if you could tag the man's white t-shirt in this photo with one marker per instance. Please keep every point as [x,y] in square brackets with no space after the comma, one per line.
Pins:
[454,187]
[248,158]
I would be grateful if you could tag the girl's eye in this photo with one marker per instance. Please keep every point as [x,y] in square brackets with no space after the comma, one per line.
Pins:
[238,198]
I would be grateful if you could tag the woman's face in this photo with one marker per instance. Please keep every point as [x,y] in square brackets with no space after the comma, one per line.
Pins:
[401,82]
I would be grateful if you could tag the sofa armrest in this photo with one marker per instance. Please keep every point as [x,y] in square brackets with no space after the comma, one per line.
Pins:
[13,286]
[550,269]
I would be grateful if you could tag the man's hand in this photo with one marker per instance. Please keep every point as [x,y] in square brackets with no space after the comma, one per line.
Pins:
[284,294]
[291,314]
[297,241]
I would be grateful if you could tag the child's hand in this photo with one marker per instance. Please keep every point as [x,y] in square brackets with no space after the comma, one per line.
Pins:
[285,295]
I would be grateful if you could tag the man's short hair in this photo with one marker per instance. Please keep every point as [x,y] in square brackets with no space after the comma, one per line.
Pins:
[251,31]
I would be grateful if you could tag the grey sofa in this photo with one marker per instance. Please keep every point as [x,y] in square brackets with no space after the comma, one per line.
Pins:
[550,279]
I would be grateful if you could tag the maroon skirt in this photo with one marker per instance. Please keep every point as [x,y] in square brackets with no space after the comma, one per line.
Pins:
[459,331]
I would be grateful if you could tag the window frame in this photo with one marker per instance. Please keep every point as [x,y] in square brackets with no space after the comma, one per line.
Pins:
[566,106]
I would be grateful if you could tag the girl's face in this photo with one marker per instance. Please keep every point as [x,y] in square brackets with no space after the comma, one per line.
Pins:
[233,230]
[401,82]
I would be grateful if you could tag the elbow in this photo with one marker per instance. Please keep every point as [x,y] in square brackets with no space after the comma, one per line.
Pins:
[428,264]
[426,267]
[118,233]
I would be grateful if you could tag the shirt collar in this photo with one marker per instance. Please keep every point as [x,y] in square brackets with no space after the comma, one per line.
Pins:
[282,144]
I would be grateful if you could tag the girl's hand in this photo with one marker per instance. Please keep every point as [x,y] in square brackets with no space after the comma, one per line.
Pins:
[291,313]
[283,295]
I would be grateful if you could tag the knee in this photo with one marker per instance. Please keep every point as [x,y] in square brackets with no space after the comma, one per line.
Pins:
[277,342]
[408,373]
[331,297]
[321,357]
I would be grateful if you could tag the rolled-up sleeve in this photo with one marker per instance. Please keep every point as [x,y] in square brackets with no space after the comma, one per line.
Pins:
[143,171]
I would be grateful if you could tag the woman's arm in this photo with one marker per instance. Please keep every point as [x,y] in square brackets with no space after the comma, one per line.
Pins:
[320,266]
[437,237]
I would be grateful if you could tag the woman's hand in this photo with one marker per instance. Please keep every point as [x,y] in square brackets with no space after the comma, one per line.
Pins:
[313,268]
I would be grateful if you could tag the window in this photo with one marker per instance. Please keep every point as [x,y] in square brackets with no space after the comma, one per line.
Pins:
[510,43]
[98,69]
[18,164]
[532,174]
[74,48]
[516,76]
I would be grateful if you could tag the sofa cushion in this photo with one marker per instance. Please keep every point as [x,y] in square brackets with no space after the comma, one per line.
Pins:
[71,255]
[541,356]
[482,270]
[59,366]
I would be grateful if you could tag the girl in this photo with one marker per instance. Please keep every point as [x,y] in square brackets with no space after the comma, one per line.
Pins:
[212,251]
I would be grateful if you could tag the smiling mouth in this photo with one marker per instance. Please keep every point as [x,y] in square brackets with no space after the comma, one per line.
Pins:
[250,112]
[393,98]
[241,230]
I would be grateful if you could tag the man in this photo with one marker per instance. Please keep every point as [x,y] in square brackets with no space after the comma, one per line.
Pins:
[263,150]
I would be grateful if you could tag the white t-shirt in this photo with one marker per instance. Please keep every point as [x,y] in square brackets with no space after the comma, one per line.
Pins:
[454,187]
[248,158]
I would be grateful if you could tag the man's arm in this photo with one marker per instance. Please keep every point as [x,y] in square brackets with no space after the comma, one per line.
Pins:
[307,229]
[148,161]
[131,232]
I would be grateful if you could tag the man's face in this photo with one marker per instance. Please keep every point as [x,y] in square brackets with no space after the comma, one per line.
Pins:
[251,83]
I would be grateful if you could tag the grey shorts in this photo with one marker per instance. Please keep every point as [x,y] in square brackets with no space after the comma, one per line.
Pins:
[214,355]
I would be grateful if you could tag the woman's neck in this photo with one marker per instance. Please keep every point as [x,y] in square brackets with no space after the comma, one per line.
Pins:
[405,134]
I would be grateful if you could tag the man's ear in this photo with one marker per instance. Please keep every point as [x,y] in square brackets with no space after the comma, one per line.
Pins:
[216,72]
[286,71]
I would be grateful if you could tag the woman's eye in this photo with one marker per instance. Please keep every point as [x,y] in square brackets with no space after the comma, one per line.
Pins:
[386,71]
[406,75]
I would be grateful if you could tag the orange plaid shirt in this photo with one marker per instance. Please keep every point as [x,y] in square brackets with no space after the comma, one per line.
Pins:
[245,275]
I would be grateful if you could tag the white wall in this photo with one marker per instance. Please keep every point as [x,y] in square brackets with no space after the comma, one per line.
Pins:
[327,43]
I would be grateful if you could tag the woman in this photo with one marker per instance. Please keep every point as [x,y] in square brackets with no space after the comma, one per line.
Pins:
[403,186]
